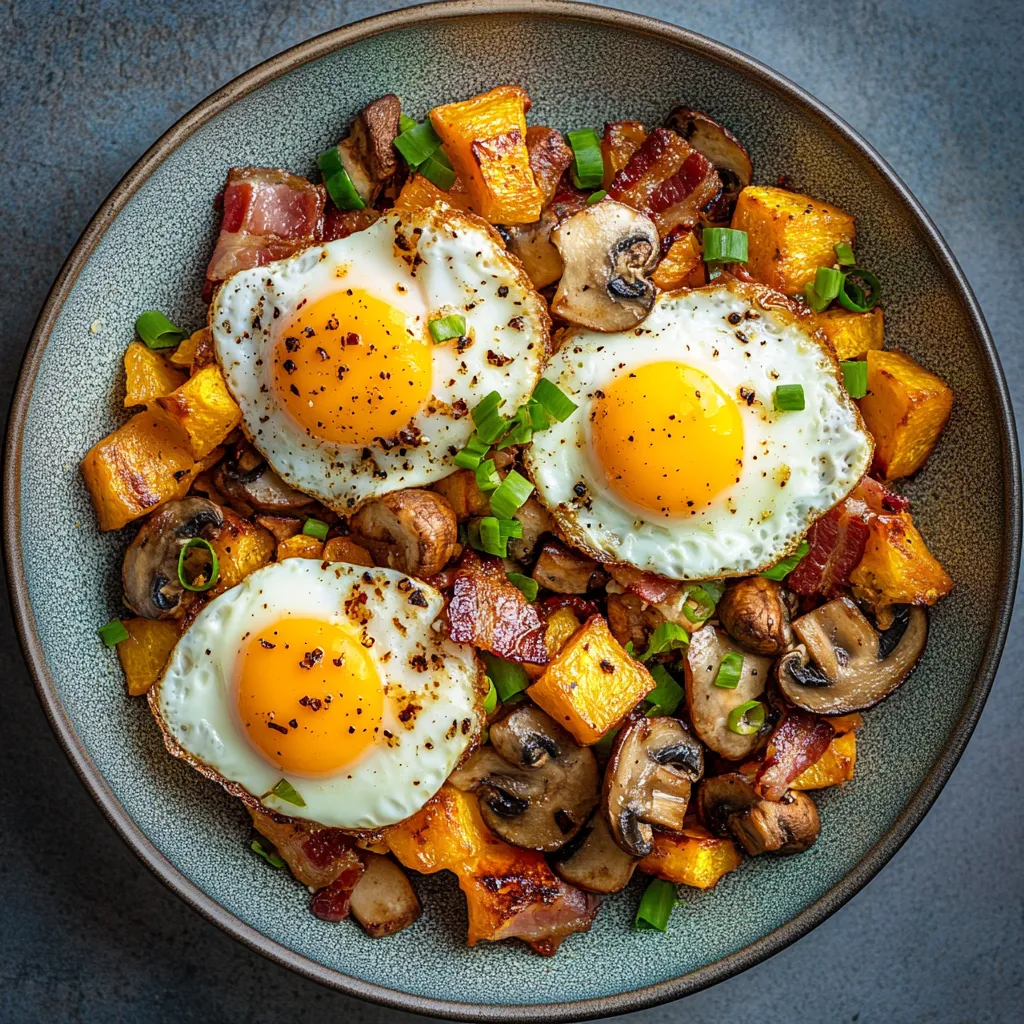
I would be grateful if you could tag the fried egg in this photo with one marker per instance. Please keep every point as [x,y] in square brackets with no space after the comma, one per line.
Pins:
[676,461]
[328,692]
[330,356]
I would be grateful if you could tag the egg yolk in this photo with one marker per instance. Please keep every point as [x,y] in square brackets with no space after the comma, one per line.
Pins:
[668,437]
[349,369]
[309,695]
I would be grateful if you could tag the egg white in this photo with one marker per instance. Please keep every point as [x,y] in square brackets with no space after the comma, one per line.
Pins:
[805,461]
[427,264]
[195,700]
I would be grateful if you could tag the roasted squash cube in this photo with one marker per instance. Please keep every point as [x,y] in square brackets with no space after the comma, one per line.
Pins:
[853,334]
[897,567]
[834,767]
[148,375]
[905,409]
[345,549]
[144,654]
[694,857]
[204,408]
[242,547]
[485,139]
[789,235]
[682,266]
[300,546]
[419,193]
[196,351]
[592,684]
[446,834]
[136,468]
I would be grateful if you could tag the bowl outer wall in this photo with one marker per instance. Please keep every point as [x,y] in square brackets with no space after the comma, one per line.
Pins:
[732,920]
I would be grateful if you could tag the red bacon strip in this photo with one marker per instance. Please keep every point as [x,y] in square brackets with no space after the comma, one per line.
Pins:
[799,741]
[650,151]
[342,223]
[489,612]
[267,215]
[681,184]
[332,903]
[645,585]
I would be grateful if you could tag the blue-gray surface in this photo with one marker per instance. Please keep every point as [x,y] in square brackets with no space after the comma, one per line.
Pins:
[89,935]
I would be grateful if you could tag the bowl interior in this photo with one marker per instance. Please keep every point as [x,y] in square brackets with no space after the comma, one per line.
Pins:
[153,256]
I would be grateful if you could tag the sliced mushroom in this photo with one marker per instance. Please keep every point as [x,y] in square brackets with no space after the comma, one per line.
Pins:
[729,806]
[383,901]
[632,620]
[562,570]
[368,154]
[726,153]
[593,860]
[648,781]
[245,476]
[535,521]
[412,531]
[533,246]
[610,251]
[150,571]
[709,705]
[755,614]
[537,786]
[843,663]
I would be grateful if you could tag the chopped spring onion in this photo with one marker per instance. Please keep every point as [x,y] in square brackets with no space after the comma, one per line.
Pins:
[405,122]
[508,677]
[729,671]
[330,162]
[827,283]
[526,584]
[705,600]
[418,142]
[667,636]
[789,397]
[656,905]
[491,700]
[490,424]
[269,855]
[491,535]
[315,528]
[667,695]
[855,377]
[343,192]
[747,719]
[844,255]
[157,331]
[539,418]
[555,402]
[588,161]
[113,633]
[725,245]
[520,428]
[853,297]
[438,170]
[447,327]
[471,456]
[214,570]
[511,495]
[780,570]
[487,478]
[284,790]
[596,197]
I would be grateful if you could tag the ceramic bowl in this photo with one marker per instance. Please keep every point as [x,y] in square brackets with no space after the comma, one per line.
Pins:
[147,247]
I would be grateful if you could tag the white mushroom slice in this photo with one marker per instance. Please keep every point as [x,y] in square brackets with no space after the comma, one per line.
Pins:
[383,901]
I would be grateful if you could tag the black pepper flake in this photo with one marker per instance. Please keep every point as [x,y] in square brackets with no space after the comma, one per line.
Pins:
[735,318]
[293,389]
[291,344]
[278,728]
[266,643]
[311,658]
[416,598]
[294,723]
[288,366]
[607,666]
[313,703]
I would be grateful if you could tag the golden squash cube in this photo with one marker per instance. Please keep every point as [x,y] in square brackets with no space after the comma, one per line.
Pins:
[144,654]
[853,334]
[203,406]
[833,768]
[682,266]
[694,857]
[300,546]
[148,375]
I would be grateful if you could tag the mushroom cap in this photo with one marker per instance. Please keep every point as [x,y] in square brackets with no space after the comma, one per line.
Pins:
[245,476]
[648,780]
[843,663]
[754,612]
[593,860]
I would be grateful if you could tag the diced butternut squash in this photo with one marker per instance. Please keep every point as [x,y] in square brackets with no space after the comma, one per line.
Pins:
[905,409]
[148,375]
[144,654]
[485,139]
[446,834]
[592,684]
[682,266]
[204,408]
[562,625]
[620,141]
[136,468]
[847,723]
[419,193]
[186,350]
[242,547]
[853,334]
[345,549]
[897,567]
[300,546]
[694,857]
[789,235]
[834,767]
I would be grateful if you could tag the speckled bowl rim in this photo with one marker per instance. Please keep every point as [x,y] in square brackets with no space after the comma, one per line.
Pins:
[623,1002]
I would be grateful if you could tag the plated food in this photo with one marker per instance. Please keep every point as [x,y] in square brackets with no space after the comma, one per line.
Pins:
[523,510]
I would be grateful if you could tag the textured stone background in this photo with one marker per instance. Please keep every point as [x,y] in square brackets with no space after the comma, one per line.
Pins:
[88,933]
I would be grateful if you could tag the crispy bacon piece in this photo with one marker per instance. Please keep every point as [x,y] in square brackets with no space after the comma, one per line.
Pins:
[550,155]
[799,741]
[342,223]
[877,498]
[267,215]
[316,856]
[580,606]
[489,612]
[645,585]
[332,902]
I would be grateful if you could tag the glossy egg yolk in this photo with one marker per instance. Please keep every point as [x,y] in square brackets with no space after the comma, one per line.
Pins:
[309,695]
[668,438]
[349,368]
